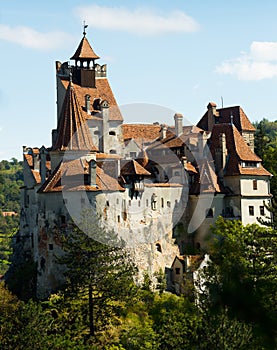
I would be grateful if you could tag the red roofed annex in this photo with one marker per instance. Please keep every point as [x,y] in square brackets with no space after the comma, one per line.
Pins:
[159,187]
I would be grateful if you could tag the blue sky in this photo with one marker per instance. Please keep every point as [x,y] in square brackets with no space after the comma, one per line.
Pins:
[177,54]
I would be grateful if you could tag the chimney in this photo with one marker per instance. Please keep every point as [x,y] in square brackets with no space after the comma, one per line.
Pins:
[178,124]
[163,131]
[92,172]
[42,153]
[87,103]
[211,115]
[220,155]
[222,140]
[203,137]
[36,161]
[105,116]
[184,162]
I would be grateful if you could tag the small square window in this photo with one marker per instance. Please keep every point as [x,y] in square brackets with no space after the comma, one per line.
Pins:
[251,210]
[133,154]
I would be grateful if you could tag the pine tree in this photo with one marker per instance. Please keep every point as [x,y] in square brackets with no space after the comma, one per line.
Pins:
[99,274]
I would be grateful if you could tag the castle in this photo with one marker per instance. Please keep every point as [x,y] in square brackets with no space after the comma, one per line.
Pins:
[159,187]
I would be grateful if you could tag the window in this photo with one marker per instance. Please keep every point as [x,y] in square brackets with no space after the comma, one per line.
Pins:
[112,133]
[117,201]
[262,212]
[112,151]
[209,213]
[251,210]
[158,247]
[255,184]
[133,154]
[63,219]
[147,202]
[107,203]
[118,218]
[130,202]
[96,132]
[162,202]
[139,203]
[51,247]
[177,270]
[168,204]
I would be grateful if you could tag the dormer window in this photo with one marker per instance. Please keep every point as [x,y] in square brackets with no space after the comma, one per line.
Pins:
[250,164]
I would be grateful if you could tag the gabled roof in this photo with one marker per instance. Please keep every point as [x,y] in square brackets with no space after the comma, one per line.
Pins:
[238,151]
[132,167]
[240,120]
[67,175]
[84,51]
[73,131]
[28,158]
[206,180]
[101,91]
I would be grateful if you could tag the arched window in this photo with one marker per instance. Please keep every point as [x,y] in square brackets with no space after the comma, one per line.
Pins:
[209,213]
[158,247]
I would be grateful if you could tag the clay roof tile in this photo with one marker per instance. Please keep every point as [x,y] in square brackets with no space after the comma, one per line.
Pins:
[84,50]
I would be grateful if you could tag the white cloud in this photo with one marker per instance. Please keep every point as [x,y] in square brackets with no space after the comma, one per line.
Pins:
[260,63]
[140,21]
[28,37]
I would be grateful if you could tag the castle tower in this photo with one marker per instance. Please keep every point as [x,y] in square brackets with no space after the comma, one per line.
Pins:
[84,69]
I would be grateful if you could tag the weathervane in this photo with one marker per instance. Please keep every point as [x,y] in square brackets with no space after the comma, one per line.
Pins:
[85,26]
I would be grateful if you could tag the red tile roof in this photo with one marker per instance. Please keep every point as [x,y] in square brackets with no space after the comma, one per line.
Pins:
[68,174]
[73,131]
[240,120]
[190,168]
[101,91]
[84,50]
[132,167]
[141,132]
[206,179]
[238,151]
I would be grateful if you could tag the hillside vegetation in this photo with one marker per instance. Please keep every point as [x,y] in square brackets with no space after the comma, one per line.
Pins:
[11,179]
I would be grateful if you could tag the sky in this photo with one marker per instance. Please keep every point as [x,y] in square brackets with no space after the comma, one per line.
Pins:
[173,56]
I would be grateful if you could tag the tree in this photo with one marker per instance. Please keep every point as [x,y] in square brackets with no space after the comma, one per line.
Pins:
[100,275]
[270,221]
[242,275]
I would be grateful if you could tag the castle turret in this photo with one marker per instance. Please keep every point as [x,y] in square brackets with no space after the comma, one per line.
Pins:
[85,67]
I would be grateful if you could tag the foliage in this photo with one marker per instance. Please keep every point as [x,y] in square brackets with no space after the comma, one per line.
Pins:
[266,148]
[242,275]
[270,221]
[11,179]
[100,275]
